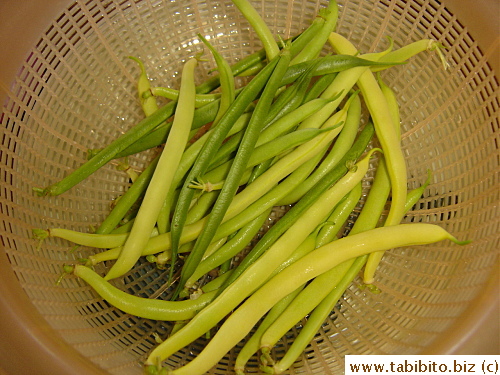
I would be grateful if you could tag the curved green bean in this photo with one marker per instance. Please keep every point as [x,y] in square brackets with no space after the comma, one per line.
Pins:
[412,49]
[139,306]
[226,80]
[388,138]
[148,104]
[242,320]
[162,179]
[259,26]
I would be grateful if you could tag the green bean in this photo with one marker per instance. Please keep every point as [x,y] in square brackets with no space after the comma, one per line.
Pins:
[306,36]
[266,201]
[236,244]
[286,120]
[285,143]
[344,142]
[110,256]
[298,209]
[237,169]
[227,150]
[138,306]
[123,228]
[237,68]
[259,26]
[415,194]
[109,152]
[286,103]
[241,102]
[290,120]
[192,152]
[215,283]
[226,80]
[173,94]
[323,66]
[253,70]
[206,113]
[201,206]
[319,86]
[282,168]
[387,136]
[148,104]
[252,344]
[101,241]
[162,178]
[316,319]
[290,98]
[412,49]
[333,64]
[314,47]
[258,272]
[163,242]
[269,199]
[132,136]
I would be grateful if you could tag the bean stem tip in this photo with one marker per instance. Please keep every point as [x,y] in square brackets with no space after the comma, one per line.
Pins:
[41,192]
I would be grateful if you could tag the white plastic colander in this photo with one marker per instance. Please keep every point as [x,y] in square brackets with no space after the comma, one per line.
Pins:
[68,86]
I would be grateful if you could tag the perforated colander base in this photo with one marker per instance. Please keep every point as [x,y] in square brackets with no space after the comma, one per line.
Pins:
[76,91]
